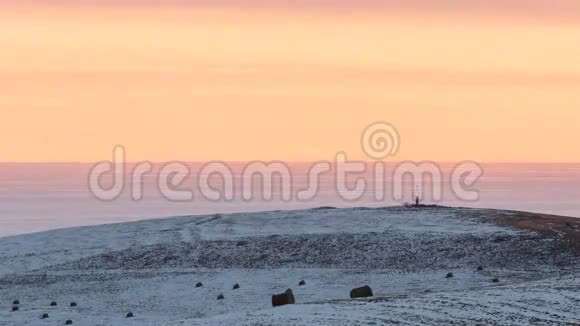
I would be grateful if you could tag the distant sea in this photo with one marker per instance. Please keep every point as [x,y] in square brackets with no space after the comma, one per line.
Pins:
[42,196]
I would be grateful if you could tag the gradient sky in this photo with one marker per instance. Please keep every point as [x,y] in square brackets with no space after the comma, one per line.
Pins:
[495,80]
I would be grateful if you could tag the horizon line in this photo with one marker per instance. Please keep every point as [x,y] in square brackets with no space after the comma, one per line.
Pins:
[290,161]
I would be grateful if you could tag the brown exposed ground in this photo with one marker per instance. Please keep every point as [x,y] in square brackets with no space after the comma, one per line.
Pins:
[568,228]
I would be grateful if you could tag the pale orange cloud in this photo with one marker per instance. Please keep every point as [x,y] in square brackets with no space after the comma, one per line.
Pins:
[536,8]
[240,85]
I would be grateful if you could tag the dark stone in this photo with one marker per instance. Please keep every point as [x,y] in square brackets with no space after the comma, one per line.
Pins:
[220,297]
[449,275]
[73,304]
[283,299]
[44,316]
[480,268]
[169,259]
[501,239]
[52,304]
[16,302]
[302,283]
[68,322]
[362,292]
[15,308]
[198,285]
[236,286]
[495,280]
[130,315]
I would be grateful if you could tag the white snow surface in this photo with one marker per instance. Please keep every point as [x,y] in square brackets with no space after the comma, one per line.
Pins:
[151,267]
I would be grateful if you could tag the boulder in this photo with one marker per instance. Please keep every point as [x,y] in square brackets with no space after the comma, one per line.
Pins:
[73,304]
[52,304]
[16,302]
[302,283]
[198,285]
[44,316]
[236,286]
[220,297]
[68,322]
[495,280]
[283,299]
[480,268]
[15,308]
[129,315]
[449,275]
[362,292]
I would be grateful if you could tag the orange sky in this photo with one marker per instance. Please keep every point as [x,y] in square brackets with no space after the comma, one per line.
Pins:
[243,82]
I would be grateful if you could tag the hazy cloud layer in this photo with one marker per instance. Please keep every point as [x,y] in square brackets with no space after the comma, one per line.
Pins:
[565,9]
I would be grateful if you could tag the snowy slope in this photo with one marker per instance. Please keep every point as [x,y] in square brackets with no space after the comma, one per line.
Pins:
[151,267]
[548,302]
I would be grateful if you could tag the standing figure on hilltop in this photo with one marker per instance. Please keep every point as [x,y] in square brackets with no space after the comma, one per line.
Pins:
[417,196]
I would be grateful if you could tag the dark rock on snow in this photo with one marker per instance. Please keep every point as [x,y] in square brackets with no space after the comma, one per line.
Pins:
[362,292]
[283,299]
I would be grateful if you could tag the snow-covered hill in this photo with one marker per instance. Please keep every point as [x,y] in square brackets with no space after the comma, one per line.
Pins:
[150,268]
